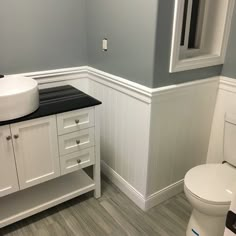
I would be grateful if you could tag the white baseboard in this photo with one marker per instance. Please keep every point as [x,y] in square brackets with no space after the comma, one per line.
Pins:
[164,194]
[142,202]
[123,185]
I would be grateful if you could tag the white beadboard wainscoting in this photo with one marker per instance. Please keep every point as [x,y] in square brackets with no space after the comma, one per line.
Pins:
[150,138]
[125,131]
[225,104]
[181,120]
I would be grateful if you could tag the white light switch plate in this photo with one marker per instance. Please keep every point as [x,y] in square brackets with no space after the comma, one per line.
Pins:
[104,44]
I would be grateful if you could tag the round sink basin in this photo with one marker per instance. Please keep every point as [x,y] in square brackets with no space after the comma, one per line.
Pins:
[19,97]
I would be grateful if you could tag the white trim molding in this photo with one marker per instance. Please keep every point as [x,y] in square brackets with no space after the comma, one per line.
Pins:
[164,194]
[147,141]
[52,76]
[128,87]
[140,200]
[227,84]
[123,185]
[213,43]
[136,90]
[75,76]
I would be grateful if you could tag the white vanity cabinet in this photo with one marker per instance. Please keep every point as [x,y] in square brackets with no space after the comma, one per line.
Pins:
[45,159]
[8,174]
[36,150]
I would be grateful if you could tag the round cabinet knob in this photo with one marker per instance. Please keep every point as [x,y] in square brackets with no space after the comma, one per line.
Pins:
[77,142]
[78,161]
[8,138]
[77,122]
[16,136]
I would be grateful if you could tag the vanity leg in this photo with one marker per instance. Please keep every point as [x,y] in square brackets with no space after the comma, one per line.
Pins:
[97,179]
[97,166]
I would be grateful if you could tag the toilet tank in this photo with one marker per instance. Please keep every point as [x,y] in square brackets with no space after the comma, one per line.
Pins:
[230,139]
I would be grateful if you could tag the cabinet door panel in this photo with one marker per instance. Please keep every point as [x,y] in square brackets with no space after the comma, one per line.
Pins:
[36,150]
[8,174]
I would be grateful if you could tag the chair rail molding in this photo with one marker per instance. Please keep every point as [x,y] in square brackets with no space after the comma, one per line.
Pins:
[150,137]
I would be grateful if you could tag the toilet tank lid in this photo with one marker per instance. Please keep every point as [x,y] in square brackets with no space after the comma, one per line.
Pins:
[212,182]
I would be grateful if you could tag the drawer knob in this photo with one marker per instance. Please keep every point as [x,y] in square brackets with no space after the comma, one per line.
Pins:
[78,161]
[16,136]
[77,122]
[8,138]
[78,142]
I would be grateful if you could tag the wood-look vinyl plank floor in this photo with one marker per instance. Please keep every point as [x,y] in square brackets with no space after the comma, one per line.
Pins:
[113,214]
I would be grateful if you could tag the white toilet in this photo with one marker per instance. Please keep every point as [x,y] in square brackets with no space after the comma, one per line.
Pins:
[210,188]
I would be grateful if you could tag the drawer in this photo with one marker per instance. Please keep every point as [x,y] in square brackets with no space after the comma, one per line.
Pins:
[75,120]
[77,160]
[74,142]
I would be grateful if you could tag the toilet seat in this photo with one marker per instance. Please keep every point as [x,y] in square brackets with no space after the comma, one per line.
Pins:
[212,183]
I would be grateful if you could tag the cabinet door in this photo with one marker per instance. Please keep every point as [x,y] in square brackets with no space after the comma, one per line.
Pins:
[8,175]
[36,150]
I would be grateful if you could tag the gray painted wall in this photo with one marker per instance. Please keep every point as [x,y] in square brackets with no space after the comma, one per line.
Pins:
[42,34]
[139,34]
[162,77]
[130,28]
[229,68]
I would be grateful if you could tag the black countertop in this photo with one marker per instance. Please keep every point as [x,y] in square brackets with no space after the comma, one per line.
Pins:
[58,100]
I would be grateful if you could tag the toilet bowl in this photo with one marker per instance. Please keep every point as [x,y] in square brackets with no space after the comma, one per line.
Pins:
[209,189]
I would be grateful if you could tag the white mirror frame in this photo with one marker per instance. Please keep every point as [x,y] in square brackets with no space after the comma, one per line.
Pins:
[207,60]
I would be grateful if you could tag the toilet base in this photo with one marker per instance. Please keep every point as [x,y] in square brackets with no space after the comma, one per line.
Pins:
[204,225]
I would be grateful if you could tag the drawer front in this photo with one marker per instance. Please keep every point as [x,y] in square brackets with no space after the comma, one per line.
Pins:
[74,121]
[77,160]
[76,141]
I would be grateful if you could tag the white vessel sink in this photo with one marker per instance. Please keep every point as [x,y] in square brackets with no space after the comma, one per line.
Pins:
[19,97]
